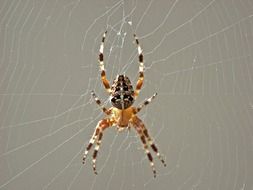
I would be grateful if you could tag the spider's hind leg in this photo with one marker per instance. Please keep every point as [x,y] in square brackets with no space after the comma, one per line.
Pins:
[96,151]
[96,137]
[139,126]
[153,146]
[144,136]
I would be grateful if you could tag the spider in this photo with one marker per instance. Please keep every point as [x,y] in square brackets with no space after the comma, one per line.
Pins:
[122,114]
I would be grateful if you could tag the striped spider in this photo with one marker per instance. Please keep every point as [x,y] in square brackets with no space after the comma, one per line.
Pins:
[122,114]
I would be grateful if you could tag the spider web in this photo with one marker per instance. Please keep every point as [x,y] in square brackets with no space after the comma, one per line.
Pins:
[198,57]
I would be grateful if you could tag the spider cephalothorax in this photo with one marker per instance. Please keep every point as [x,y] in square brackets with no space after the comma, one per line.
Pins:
[122,95]
[122,114]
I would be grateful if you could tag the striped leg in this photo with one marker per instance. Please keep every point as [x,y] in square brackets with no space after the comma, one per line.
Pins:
[101,65]
[91,142]
[145,103]
[139,126]
[141,68]
[96,151]
[105,110]
[153,146]
[145,146]
[97,136]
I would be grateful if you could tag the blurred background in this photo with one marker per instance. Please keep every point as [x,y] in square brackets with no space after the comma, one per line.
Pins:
[198,58]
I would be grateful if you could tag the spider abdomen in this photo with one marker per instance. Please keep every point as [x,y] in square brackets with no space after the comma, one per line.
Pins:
[122,96]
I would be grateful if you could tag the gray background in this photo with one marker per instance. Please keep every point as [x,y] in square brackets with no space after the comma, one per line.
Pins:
[198,57]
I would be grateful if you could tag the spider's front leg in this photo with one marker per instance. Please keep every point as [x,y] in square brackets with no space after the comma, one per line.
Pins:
[101,65]
[96,137]
[141,68]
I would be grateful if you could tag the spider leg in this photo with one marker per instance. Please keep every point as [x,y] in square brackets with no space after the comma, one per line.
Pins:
[97,136]
[96,151]
[91,142]
[153,146]
[145,103]
[143,140]
[143,133]
[105,110]
[141,68]
[139,126]
[101,65]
